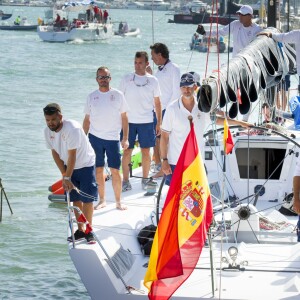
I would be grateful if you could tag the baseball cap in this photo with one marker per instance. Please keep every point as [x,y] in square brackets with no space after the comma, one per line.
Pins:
[245,10]
[196,77]
[187,79]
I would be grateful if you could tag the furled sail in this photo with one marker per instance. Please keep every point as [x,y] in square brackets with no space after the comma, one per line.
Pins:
[261,65]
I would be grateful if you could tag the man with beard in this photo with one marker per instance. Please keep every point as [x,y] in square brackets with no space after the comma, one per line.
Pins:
[75,158]
[105,117]
[176,125]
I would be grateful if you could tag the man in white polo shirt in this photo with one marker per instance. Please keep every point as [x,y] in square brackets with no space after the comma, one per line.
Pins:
[75,158]
[105,117]
[243,30]
[168,75]
[176,125]
[142,94]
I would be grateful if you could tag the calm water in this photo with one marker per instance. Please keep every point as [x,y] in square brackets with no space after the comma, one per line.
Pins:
[34,255]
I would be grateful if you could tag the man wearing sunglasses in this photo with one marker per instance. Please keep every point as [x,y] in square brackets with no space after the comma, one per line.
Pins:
[142,94]
[243,31]
[75,158]
[105,117]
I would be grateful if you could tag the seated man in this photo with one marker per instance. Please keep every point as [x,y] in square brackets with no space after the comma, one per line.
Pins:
[18,20]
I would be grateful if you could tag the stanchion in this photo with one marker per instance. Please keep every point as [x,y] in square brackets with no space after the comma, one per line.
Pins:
[3,194]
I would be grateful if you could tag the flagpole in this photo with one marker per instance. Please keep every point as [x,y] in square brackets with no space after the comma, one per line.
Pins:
[212,269]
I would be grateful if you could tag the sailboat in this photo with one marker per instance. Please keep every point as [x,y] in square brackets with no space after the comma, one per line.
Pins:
[252,250]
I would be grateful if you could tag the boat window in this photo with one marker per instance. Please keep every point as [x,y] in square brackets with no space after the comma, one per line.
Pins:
[264,163]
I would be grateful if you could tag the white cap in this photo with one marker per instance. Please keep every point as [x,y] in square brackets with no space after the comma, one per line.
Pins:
[245,10]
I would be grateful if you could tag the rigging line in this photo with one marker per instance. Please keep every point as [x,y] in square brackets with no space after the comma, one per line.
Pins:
[152,13]
[254,270]
[110,201]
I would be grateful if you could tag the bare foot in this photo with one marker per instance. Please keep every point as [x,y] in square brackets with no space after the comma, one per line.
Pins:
[158,174]
[120,206]
[101,204]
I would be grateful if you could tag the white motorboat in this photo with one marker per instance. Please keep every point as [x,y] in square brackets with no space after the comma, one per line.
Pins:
[79,29]
[86,32]
[133,5]
[156,4]
[133,32]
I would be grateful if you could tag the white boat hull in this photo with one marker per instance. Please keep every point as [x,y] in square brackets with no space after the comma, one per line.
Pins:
[90,32]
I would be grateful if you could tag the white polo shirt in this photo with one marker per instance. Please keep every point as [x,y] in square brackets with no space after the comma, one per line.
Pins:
[169,83]
[241,35]
[70,137]
[176,123]
[292,37]
[139,93]
[105,111]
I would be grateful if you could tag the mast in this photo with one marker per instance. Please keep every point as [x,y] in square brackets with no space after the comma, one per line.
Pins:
[272,15]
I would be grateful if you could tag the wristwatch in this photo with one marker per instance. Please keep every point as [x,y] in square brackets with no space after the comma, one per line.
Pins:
[66,178]
[165,158]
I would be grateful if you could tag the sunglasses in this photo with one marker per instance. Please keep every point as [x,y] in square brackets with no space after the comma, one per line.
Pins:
[103,77]
[50,110]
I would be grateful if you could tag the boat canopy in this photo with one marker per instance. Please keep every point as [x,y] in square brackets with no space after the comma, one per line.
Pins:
[74,6]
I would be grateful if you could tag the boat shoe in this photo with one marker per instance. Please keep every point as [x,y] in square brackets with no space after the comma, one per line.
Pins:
[78,235]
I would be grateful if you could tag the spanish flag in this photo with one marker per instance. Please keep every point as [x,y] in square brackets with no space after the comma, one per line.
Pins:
[183,225]
[228,141]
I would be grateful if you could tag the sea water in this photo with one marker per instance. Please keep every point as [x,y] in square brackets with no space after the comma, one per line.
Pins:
[34,254]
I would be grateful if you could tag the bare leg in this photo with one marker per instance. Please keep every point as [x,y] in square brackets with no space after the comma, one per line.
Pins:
[156,152]
[126,160]
[88,210]
[101,187]
[146,160]
[117,186]
[80,206]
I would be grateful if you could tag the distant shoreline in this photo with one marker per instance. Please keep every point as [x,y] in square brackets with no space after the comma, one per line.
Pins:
[20,4]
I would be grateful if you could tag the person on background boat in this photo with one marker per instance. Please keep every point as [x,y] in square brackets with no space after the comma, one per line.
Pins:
[121,27]
[40,21]
[97,13]
[105,16]
[141,91]
[292,37]
[18,20]
[168,76]
[57,20]
[125,27]
[243,30]
[75,158]
[105,116]
[176,126]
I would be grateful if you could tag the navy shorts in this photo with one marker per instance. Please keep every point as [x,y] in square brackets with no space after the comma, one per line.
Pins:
[144,133]
[85,180]
[110,148]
